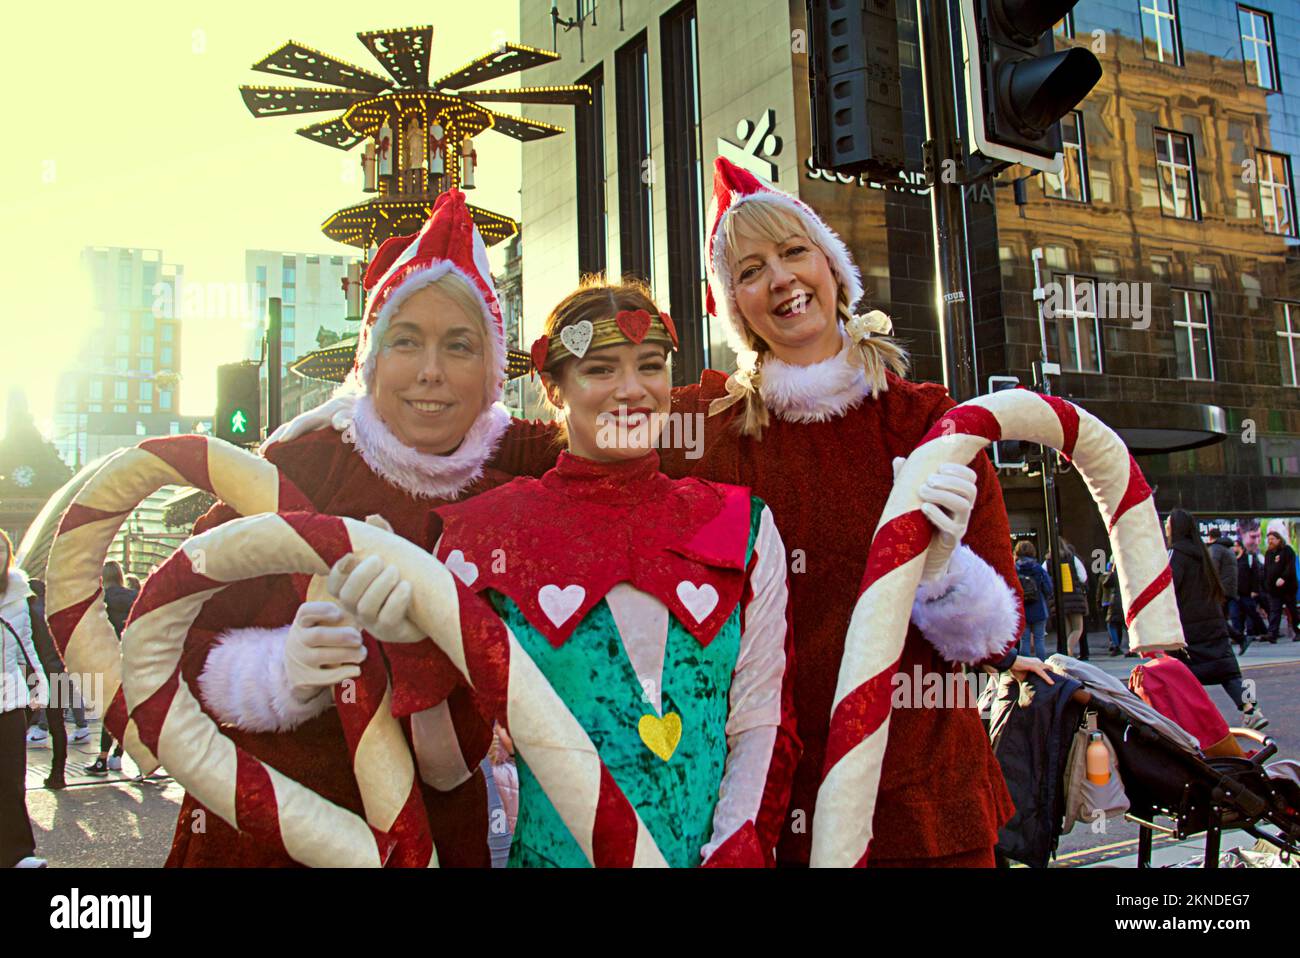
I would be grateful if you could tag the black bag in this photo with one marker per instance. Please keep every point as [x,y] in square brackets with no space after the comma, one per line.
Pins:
[1029,586]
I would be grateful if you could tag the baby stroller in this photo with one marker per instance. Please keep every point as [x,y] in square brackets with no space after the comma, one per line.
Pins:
[1164,773]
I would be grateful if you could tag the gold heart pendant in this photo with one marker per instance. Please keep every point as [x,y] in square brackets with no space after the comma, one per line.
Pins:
[661,735]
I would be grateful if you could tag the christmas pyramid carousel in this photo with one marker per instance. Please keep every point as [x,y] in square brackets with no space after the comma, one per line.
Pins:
[418,141]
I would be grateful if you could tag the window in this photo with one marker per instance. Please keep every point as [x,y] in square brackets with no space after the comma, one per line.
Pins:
[122,364]
[144,408]
[146,345]
[635,171]
[1257,47]
[1160,39]
[290,294]
[164,400]
[146,392]
[146,364]
[119,388]
[119,407]
[1288,342]
[1078,330]
[1192,334]
[684,182]
[1072,182]
[166,357]
[168,333]
[123,343]
[146,324]
[1176,175]
[94,407]
[1276,197]
[97,389]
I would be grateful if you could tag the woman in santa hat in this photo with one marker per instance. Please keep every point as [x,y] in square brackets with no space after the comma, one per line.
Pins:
[656,609]
[815,421]
[414,427]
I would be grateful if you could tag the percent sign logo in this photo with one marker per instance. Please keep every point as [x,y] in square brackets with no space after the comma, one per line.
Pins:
[760,144]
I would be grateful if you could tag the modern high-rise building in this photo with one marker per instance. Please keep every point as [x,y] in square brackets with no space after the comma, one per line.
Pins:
[1170,239]
[125,380]
[313,313]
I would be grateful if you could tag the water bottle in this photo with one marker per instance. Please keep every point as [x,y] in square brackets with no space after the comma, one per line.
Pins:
[1097,760]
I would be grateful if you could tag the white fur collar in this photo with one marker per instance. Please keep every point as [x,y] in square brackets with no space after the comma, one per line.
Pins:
[423,475]
[815,393]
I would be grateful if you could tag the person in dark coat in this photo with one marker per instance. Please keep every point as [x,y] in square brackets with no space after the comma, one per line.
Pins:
[119,599]
[1199,595]
[1113,604]
[1073,595]
[1225,565]
[1280,581]
[1037,589]
[1243,611]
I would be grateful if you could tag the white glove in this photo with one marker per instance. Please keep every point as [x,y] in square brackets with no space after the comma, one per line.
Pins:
[376,594]
[322,650]
[947,499]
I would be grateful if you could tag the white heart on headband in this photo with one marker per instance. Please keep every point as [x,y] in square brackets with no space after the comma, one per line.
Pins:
[577,338]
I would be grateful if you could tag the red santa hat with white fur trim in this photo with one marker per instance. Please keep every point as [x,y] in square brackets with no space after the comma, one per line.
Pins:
[449,243]
[733,187]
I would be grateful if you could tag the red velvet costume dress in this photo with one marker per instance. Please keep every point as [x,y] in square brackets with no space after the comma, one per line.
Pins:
[824,466]
[245,691]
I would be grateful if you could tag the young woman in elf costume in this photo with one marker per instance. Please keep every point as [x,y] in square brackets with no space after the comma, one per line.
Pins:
[656,608]
[814,422]
[418,420]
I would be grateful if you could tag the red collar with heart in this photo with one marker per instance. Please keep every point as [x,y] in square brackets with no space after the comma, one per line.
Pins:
[558,544]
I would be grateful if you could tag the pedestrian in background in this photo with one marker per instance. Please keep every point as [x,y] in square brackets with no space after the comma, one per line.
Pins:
[1280,581]
[1112,603]
[17,843]
[1073,596]
[1225,565]
[119,599]
[1199,595]
[1037,589]
[56,712]
[1243,612]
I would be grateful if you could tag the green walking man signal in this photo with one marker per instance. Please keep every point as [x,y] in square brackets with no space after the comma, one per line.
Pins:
[239,403]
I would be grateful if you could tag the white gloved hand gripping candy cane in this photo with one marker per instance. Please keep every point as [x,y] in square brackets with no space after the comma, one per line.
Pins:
[859,729]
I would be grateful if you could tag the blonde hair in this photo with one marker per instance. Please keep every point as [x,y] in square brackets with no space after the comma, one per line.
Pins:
[874,349]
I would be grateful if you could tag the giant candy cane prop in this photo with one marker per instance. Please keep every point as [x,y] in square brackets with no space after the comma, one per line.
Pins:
[250,485]
[256,798]
[859,730]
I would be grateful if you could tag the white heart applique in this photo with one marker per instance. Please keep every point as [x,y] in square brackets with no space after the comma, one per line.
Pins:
[560,604]
[577,338]
[699,600]
[461,567]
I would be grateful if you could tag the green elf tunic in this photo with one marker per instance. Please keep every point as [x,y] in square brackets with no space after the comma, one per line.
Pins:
[656,609]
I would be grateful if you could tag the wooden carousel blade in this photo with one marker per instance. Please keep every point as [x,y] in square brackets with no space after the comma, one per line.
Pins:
[574,95]
[504,60]
[521,129]
[288,100]
[301,62]
[403,52]
[333,133]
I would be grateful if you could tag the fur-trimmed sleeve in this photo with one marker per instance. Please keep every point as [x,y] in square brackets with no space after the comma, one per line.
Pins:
[244,683]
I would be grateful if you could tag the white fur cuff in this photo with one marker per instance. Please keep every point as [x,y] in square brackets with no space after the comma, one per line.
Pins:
[244,683]
[969,614]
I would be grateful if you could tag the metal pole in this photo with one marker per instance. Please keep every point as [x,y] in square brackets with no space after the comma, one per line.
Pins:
[1044,369]
[947,201]
[272,364]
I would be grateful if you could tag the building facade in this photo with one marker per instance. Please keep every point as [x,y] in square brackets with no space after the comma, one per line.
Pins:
[1169,239]
[313,313]
[128,366]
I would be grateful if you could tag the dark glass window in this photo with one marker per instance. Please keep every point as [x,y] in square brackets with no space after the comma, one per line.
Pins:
[1160,38]
[1072,182]
[1276,194]
[589,138]
[635,165]
[1192,334]
[684,181]
[1176,175]
[1257,49]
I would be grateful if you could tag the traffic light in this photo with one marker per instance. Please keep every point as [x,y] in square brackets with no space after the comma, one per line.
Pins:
[1018,86]
[1009,454]
[854,86]
[239,403]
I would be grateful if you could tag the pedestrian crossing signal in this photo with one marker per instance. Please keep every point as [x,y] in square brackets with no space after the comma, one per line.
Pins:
[239,403]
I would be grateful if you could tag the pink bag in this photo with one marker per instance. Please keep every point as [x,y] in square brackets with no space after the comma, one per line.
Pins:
[1169,687]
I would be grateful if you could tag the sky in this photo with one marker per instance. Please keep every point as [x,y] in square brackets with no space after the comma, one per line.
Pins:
[125,127]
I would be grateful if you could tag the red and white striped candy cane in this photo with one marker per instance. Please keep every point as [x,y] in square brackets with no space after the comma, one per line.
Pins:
[859,730]
[250,485]
[78,619]
[254,797]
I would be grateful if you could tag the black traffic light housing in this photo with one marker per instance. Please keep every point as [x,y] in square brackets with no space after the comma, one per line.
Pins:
[854,87]
[1018,86]
[239,403]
